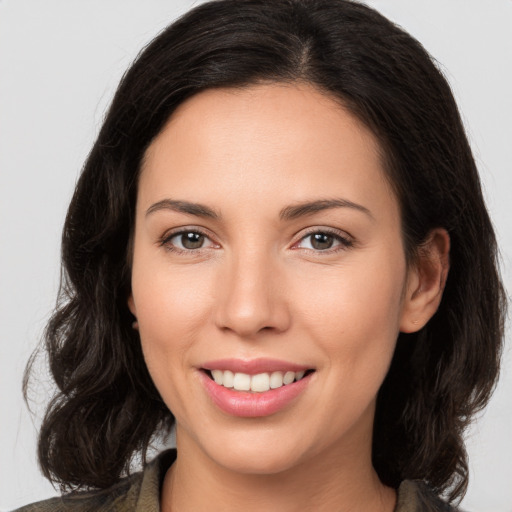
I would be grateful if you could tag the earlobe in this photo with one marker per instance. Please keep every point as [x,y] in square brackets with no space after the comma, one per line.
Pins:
[426,281]
[131,305]
[133,310]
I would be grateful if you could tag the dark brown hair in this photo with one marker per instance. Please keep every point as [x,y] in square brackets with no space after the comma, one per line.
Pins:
[107,409]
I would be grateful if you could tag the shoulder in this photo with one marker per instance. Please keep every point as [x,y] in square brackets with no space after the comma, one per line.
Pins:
[117,497]
[416,496]
[138,492]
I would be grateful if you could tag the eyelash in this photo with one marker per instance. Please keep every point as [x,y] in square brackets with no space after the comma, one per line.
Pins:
[166,241]
[344,241]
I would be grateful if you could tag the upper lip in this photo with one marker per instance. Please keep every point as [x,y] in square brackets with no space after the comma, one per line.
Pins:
[254,366]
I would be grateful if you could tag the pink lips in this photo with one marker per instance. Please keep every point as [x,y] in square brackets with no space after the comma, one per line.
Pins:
[254,366]
[247,404]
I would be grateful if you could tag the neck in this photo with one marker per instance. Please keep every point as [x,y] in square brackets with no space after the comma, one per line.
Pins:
[342,480]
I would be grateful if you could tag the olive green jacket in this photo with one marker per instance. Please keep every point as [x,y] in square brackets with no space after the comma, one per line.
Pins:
[141,493]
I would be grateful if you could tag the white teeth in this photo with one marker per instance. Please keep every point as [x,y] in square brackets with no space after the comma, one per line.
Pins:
[299,375]
[257,383]
[217,376]
[289,377]
[260,382]
[242,382]
[276,380]
[227,379]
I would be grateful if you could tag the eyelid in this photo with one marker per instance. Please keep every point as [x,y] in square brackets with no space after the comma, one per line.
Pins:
[345,239]
[164,240]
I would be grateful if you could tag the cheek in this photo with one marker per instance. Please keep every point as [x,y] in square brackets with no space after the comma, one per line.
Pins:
[356,317]
[171,308]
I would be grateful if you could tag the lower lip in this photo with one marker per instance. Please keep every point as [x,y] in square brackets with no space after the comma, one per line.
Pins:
[253,405]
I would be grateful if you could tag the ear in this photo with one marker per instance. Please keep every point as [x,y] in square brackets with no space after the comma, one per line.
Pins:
[131,305]
[133,310]
[425,281]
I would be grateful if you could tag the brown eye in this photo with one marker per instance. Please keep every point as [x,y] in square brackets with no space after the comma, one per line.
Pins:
[192,240]
[187,241]
[321,241]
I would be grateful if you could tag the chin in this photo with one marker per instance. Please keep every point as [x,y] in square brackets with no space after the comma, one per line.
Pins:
[257,456]
[261,463]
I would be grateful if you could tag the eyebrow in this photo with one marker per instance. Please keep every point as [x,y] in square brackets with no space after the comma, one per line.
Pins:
[199,210]
[288,213]
[311,207]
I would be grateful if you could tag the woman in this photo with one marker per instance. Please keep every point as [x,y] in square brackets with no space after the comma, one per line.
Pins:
[280,237]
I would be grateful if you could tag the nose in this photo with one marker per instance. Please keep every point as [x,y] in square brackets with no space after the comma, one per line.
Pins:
[252,296]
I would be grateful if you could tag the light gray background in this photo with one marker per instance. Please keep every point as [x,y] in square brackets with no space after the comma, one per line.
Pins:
[60,62]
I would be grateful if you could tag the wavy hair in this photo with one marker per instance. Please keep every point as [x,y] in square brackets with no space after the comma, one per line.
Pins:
[106,410]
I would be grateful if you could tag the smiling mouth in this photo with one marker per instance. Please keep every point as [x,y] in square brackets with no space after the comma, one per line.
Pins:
[259,383]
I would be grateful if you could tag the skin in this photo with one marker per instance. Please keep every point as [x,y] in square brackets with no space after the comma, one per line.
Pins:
[258,288]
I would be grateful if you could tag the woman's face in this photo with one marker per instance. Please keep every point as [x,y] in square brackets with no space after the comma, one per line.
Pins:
[267,244]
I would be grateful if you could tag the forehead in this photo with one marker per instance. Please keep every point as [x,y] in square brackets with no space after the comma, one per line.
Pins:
[268,143]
